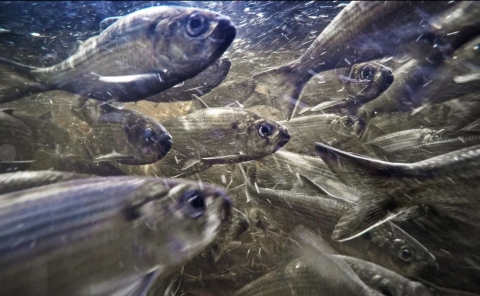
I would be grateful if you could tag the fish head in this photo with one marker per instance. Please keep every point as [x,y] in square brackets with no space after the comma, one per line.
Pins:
[184,221]
[264,136]
[346,127]
[368,80]
[402,253]
[188,41]
[149,140]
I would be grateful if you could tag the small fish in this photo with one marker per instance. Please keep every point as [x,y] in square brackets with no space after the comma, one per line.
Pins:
[220,136]
[199,85]
[139,55]
[345,88]
[326,128]
[232,94]
[46,134]
[386,245]
[104,236]
[17,181]
[389,189]
[16,143]
[124,135]
[361,39]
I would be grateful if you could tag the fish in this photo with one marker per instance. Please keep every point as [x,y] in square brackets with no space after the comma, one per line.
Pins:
[386,245]
[46,133]
[344,88]
[326,128]
[123,135]
[17,145]
[380,279]
[456,77]
[199,85]
[219,136]
[427,145]
[364,25]
[16,181]
[389,189]
[229,94]
[139,55]
[104,235]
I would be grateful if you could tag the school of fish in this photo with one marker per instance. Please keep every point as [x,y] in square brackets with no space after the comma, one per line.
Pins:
[157,159]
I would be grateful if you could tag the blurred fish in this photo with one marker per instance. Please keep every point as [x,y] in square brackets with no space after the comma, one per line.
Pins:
[326,128]
[232,94]
[362,38]
[17,181]
[386,245]
[16,143]
[199,85]
[398,148]
[384,280]
[220,136]
[456,77]
[389,189]
[139,55]
[345,89]
[46,134]
[104,236]
[123,135]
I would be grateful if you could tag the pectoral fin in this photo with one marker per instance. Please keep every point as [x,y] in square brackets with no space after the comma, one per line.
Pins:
[138,287]
[114,156]
[8,111]
[190,163]
[221,159]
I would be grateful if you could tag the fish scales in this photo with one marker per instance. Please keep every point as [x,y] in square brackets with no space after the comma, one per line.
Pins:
[80,238]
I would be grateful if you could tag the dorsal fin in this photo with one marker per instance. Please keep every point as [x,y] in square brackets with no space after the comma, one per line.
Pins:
[108,22]
[314,185]
[106,108]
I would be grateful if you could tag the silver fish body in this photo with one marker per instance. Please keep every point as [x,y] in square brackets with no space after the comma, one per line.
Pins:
[99,236]
[139,55]
[125,136]
[387,245]
[221,136]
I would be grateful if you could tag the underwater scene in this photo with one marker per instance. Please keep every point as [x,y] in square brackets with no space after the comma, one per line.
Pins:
[264,148]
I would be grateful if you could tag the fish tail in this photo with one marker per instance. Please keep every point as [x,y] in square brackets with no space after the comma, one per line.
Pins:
[18,81]
[282,87]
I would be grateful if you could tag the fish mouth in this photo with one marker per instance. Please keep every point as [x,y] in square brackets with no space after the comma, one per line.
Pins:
[224,34]
[165,143]
[285,138]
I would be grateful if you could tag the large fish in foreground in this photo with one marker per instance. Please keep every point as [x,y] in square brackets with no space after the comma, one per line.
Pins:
[104,236]
[139,55]
[446,183]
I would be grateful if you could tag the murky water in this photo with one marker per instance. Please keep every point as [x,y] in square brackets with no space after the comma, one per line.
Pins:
[357,137]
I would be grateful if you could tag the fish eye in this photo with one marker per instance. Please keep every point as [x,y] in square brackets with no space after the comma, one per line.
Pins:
[405,254]
[192,204]
[265,130]
[196,25]
[348,122]
[367,73]
[149,136]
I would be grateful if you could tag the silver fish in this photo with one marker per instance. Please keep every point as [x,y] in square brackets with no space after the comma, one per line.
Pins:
[125,136]
[220,136]
[386,245]
[17,181]
[326,128]
[139,55]
[364,25]
[104,236]
[388,189]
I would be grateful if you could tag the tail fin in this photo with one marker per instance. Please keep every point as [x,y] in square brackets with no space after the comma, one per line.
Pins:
[281,88]
[17,81]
